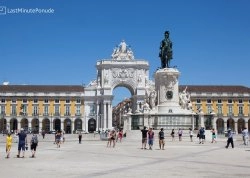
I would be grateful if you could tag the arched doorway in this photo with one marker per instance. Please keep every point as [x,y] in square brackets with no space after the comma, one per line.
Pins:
[67,126]
[13,124]
[230,124]
[78,124]
[241,125]
[35,125]
[46,125]
[24,124]
[220,126]
[91,125]
[57,124]
[3,125]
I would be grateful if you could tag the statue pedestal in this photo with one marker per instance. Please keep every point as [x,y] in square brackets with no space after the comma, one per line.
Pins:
[167,88]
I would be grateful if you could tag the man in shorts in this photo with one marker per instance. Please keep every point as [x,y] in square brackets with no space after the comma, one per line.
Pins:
[144,132]
[161,139]
[22,142]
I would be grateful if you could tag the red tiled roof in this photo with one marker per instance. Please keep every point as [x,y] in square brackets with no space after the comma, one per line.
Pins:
[41,88]
[215,88]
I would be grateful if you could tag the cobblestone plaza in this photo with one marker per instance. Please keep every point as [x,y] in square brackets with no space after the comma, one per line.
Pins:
[93,159]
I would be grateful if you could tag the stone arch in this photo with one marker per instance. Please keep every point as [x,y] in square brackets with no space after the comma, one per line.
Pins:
[24,123]
[230,124]
[67,125]
[91,125]
[122,70]
[241,124]
[35,125]
[78,124]
[13,124]
[220,126]
[57,124]
[46,125]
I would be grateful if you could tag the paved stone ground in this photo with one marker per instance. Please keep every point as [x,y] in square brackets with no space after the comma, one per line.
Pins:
[93,159]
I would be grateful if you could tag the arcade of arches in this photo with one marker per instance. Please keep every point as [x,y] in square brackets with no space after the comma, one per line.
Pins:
[47,124]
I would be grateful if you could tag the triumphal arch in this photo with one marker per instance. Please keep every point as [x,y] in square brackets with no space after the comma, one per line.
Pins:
[121,70]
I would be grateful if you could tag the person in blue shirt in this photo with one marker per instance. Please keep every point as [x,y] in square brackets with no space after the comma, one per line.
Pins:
[230,138]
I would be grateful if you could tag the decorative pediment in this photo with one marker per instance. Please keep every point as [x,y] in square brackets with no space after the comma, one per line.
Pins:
[122,52]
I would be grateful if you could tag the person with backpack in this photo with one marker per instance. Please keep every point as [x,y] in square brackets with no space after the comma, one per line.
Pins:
[33,144]
[161,139]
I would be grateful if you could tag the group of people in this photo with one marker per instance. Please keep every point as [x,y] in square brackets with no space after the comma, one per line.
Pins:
[22,144]
[148,137]
[114,136]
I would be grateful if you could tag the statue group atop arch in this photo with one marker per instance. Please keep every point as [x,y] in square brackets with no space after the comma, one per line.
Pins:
[122,52]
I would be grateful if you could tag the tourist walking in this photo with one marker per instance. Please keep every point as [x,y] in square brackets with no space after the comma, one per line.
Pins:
[120,135]
[201,135]
[80,137]
[22,137]
[172,134]
[58,139]
[180,134]
[8,145]
[144,132]
[111,138]
[230,139]
[245,136]
[150,138]
[43,133]
[161,139]
[191,133]
[33,144]
[213,136]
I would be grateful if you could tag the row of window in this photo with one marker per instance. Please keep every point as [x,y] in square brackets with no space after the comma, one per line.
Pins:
[220,101]
[45,110]
[45,101]
[219,109]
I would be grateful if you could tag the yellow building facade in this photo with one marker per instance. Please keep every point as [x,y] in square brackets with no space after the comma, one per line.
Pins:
[39,107]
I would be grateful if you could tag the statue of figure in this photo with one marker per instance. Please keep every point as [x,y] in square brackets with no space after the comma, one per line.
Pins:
[166,53]
[185,100]
[152,99]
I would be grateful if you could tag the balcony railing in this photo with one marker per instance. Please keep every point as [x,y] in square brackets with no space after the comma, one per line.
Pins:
[35,114]
[230,114]
[78,114]
[67,114]
[45,114]
[56,114]
[13,114]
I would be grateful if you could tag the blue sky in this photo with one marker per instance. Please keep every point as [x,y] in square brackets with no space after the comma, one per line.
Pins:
[211,39]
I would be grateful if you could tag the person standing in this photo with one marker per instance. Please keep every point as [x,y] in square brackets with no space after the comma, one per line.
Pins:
[230,139]
[33,144]
[80,137]
[22,136]
[144,132]
[161,139]
[191,134]
[172,134]
[58,139]
[43,133]
[150,138]
[213,136]
[245,136]
[180,134]
[202,135]
[8,144]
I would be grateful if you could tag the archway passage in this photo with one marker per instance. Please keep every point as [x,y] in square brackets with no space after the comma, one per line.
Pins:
[230,124]
[24,124]
[91,125]
[57,124]
[78,124]
[67,126]
[220,126]
[46,125]
[13,124]
[35,125]
[241,125]
[3,125]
